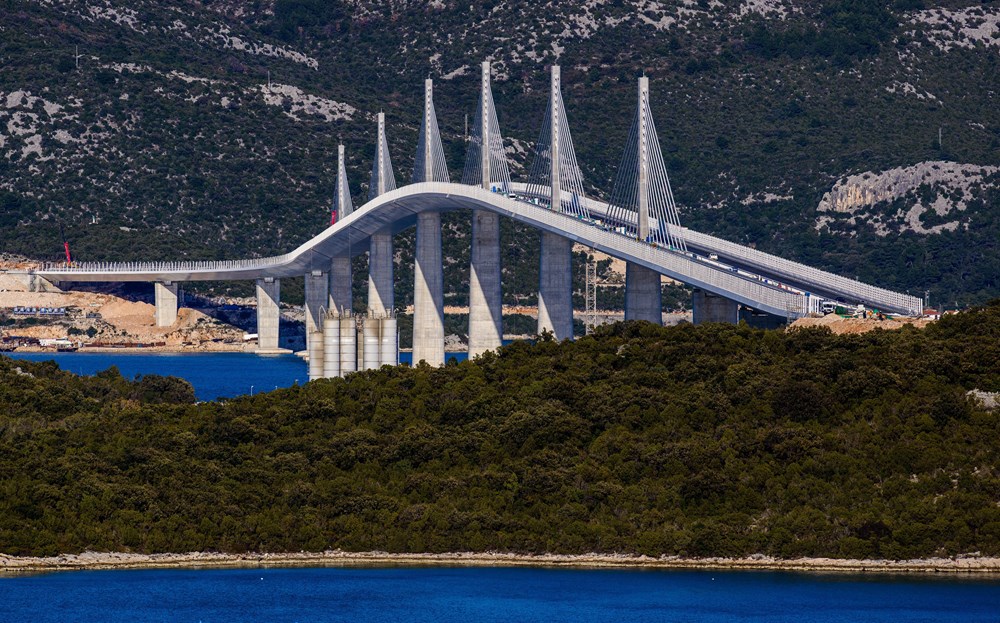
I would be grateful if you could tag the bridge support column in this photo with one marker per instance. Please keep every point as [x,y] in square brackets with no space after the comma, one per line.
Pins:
[428,292]
[381,300]
[317,297]
[268,313]
[555,287]
[341,296]
[485,301]
[165,294]
[708,307]
[643,298]
[380,295]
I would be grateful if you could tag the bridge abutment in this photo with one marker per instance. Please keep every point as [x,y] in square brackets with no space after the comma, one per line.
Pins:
[555,287]
[428,292]
[268,314]
[708,307]
[643,297]
[165,294]
[485,299]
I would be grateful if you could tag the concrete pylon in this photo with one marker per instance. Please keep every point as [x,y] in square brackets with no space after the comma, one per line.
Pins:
[342,204]
[555,276]
[485,295]
[643,155]
[429,164]
[268,313]
[643,202]
[428,287]
[380,272]
[381,299]
[165,295]
[341,297]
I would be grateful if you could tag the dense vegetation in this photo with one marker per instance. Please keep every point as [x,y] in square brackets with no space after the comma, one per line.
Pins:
[711,440]
[747,106]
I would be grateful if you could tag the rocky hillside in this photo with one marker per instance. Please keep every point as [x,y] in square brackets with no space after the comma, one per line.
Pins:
[857,135]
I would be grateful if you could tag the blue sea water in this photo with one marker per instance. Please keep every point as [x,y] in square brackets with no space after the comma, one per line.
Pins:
[441,594]
[213,375]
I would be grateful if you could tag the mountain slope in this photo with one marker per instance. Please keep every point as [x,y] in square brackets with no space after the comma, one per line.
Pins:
[171,137]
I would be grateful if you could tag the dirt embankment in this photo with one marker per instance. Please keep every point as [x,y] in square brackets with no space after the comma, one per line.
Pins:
[108,319]
[843,326]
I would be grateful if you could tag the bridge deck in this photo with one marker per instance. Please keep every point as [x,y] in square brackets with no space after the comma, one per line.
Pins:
[776,286]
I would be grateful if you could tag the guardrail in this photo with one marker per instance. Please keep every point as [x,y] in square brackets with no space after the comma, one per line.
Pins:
[680,265]
[118,268]
[873,296]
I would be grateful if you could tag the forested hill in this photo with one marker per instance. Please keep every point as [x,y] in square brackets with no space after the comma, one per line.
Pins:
[711,440]
[857,135]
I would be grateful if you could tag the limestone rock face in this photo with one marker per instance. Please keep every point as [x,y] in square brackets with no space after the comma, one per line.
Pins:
[937,186]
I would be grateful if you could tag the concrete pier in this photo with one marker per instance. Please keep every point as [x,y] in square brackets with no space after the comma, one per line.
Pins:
[380,295]
[555,287]
[341,298]
[317,297]
[331,346]
[389,342]
[348,345]
[643,298]
[370,343]
[165,294]
[485,319]
[428,292]
[315,355]
[268,313]
[708,307]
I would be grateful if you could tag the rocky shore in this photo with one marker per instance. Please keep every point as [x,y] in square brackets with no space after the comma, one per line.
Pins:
[122,560]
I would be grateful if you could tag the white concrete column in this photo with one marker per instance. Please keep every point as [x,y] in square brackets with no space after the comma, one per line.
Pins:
[317,297]
[643,298]
[268,313]
[380,295]
[341,297]
[555,274]
[708,307]
[428,292]
[315,355]
[484,130]
[331,346]
[165,294]
[485,319]
[643,160]
[555,178]
[371,341]
[555,287]
[348,345]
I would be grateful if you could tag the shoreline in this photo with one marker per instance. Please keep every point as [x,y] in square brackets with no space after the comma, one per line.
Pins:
[123,560]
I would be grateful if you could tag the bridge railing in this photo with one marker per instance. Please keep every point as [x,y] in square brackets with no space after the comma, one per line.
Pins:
[161,267]
[791,303]
[874,296]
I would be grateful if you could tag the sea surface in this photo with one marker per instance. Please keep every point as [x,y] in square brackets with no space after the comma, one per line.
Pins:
[441,594]
[213,375]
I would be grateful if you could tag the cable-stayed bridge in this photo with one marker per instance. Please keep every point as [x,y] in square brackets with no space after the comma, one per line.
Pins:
[640,225]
